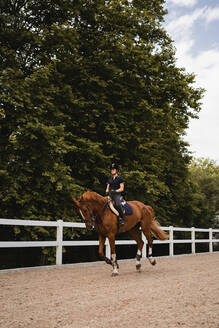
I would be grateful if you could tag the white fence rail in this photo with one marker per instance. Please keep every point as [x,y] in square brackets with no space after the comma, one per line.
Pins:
[59,243]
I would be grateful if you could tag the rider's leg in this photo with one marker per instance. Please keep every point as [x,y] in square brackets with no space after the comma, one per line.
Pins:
[118,205]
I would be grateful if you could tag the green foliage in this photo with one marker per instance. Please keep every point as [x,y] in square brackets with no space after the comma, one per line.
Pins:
[204,173]
[83,83]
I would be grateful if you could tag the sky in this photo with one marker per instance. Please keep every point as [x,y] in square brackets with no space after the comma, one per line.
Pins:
[194,27]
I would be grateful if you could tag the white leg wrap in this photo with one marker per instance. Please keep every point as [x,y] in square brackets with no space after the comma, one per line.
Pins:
[138,253]
[114,257]
[115,269]
[150,257]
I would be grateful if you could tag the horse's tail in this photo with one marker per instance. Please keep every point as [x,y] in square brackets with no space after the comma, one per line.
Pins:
[155,226]
[157,231]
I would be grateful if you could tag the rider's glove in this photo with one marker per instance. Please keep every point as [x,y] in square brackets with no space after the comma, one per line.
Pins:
[107,193]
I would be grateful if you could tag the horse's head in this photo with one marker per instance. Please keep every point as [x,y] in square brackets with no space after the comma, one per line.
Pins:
[86,211]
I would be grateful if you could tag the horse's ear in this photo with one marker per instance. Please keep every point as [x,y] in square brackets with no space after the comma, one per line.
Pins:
[75,201]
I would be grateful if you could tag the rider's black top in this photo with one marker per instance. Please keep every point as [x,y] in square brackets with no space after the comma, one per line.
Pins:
[114,184]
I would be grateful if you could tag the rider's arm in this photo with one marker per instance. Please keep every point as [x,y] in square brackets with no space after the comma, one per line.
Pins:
[121,189]
[107,187]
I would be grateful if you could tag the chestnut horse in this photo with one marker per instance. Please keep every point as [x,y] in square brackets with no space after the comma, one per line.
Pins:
[96,214]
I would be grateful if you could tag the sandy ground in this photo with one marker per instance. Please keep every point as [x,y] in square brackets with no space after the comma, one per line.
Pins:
[177,292]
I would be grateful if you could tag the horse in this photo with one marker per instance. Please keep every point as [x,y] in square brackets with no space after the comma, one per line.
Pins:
[96,213]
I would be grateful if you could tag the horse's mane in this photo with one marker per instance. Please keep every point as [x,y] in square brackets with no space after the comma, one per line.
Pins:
[92,196]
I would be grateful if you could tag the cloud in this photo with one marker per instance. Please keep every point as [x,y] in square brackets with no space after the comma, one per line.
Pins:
[179,27]
[212,14]
[203,133]
[182,3]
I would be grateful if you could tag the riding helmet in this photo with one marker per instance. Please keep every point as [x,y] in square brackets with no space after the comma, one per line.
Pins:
[114,166]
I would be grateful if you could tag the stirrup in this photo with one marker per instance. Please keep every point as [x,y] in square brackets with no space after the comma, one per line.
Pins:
[121,221]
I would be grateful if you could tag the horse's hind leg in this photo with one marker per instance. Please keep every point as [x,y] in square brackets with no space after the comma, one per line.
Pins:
[134,233]
[146,230]
[150,244]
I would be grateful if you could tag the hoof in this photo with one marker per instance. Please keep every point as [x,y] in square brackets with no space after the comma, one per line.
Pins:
[153,262]
[114,274]
[138,267]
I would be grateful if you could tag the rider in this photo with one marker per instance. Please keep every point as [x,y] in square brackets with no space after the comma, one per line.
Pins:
[114,189]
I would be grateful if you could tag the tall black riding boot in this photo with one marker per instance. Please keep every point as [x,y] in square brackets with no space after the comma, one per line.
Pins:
[121,217]
[116,197]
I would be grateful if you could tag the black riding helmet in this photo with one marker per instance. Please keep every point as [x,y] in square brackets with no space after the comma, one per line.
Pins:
[114,166]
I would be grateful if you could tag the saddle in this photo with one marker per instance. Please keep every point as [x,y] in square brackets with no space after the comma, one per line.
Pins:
[126,208]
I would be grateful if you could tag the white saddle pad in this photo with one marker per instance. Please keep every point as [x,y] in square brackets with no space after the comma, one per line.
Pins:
[113,209]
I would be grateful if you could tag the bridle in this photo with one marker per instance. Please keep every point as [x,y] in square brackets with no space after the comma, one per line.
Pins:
[91,219]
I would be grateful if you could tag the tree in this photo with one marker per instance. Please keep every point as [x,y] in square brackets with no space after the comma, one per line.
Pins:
[204,173]
[84,83]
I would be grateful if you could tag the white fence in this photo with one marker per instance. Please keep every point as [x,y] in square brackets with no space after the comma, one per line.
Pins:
[59,243]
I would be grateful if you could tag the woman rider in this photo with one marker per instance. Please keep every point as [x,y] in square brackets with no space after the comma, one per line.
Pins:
[114,189]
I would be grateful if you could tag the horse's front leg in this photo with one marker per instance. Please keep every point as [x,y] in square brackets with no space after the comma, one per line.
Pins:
[115,265]
[102,240]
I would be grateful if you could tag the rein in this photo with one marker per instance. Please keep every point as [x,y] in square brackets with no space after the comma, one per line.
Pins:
[92,219]
[105,206]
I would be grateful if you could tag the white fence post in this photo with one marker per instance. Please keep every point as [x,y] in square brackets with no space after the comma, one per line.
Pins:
[171,249]
[144,249]
[108,250]
[193,240]
[59,241]
[210,240]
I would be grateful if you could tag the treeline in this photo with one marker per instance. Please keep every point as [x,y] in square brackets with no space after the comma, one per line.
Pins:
[204,179]
[84,83]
